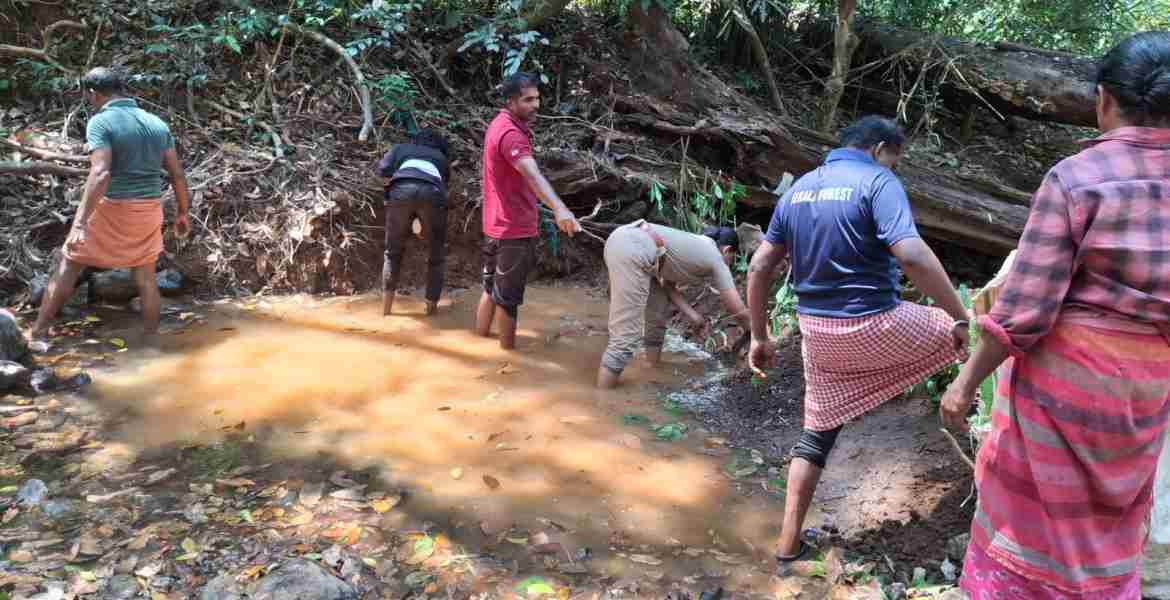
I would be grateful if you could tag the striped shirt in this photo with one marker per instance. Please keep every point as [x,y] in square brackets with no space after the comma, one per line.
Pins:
[1097,241]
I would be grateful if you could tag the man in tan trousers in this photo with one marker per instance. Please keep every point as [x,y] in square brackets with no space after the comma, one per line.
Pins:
[645,263]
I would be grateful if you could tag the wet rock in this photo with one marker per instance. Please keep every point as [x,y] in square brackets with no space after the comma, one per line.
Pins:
[897,591]
[13,375]
[115,285]
[32,493]
[121,587]
[223,587]
[957,546]
[301,579]
[311,494]
[61,510]
[170,282]
[43,381]
[13,346]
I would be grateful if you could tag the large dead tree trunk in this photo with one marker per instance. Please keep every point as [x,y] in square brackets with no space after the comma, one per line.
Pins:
[1008,78]
[844,44]
[674,98]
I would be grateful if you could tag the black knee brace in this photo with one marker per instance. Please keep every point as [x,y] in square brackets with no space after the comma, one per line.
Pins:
[814,446]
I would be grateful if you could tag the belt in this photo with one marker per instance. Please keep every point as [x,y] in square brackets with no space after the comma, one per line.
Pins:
[658,241]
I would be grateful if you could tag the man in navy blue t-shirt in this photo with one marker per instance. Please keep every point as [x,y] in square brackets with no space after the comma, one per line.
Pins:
[847,227]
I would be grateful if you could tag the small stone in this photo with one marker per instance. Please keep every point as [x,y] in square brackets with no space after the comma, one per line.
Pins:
[301,579]
[311,494]
[43,381]
[897,591]
[957,546]
[196,513]
[121,587]
[61,510]
[32,493]
[332,556]
[287,501]
[13,345]
[13,375]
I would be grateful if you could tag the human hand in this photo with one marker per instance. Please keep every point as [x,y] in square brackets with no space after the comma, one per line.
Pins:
[182,225]
[954,406]
[76,236]
[961,336]
[566,222]
[761,356]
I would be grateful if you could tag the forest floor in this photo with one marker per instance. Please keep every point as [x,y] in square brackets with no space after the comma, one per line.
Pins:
[410,458]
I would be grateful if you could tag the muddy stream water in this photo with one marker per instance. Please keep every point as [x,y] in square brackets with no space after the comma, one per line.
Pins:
[515,454]
[482,440]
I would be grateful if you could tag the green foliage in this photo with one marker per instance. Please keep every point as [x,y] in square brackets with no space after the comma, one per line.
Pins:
[783,313]
[394,94]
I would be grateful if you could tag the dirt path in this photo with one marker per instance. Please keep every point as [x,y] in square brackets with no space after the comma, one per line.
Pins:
[434,456]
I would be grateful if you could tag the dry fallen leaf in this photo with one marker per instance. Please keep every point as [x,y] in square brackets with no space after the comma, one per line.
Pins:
[645,559]
[236,483]
[380,506]
[301,519]
[250,573]
[576,420]
[507,369]
[457,473]
[491,482]
[20,556]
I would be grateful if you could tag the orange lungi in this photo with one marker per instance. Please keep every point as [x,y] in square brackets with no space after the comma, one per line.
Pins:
[120,234]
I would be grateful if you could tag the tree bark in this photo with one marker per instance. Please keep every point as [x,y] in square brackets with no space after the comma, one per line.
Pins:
[1035,84]
[844,44]
[759,52]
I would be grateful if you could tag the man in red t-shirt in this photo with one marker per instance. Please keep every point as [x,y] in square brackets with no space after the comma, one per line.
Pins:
[512,185]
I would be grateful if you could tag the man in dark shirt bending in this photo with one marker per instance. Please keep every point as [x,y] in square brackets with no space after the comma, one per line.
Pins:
[417,175]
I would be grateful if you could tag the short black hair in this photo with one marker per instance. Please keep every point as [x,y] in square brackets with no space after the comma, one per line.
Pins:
[871,130]
[1137,73]
[723,236]
[518,82]
[104,80]
[432,138]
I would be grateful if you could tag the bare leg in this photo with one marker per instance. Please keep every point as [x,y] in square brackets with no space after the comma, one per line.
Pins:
[802,483]
[606,379]
[483,315]
[507,329]
[151,301]
[60,288]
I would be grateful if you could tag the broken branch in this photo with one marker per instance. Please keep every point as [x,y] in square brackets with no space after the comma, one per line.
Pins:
[8,167]
[363,89]
[43,154]
[276,142]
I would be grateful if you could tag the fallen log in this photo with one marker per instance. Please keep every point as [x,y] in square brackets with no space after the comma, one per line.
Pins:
[1009,79]
[34,167]
[732,134]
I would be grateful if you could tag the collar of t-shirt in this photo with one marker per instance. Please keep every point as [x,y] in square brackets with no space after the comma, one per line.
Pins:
[120,103]
[521,125]
[849,154]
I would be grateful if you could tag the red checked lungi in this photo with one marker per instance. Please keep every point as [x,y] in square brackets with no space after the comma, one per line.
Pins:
[853,365]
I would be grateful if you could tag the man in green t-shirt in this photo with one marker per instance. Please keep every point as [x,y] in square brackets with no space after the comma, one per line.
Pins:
[119,222]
